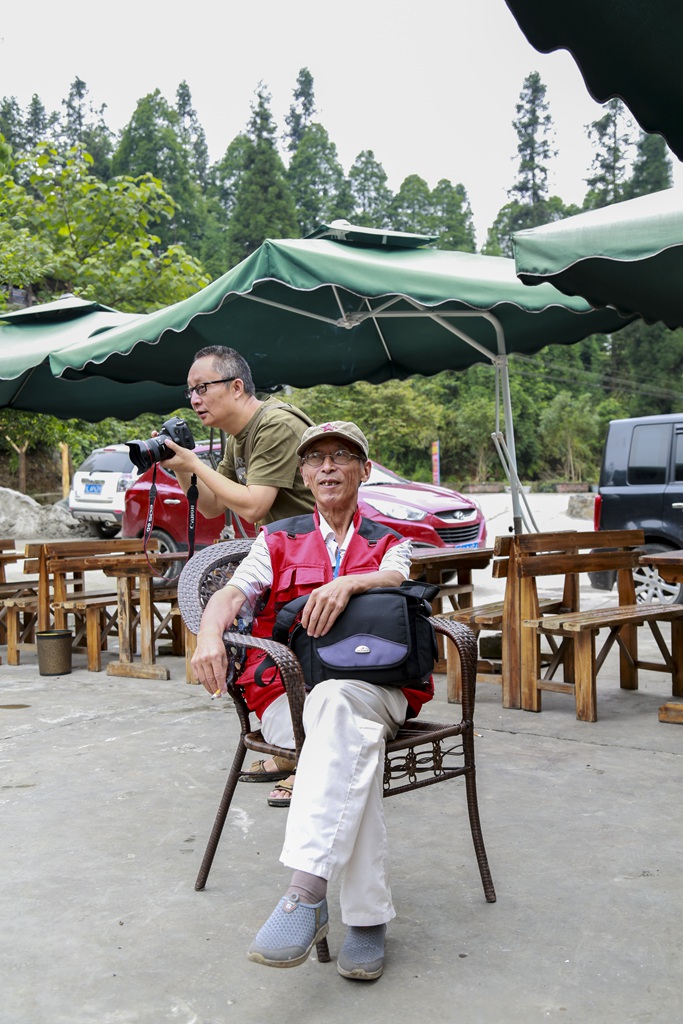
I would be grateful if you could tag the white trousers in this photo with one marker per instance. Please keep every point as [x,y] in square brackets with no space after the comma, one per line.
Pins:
[335,824]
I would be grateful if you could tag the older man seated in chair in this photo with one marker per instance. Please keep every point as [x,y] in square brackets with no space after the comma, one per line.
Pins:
[335,827]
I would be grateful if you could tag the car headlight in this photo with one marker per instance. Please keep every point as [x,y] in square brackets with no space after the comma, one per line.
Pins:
[395,511]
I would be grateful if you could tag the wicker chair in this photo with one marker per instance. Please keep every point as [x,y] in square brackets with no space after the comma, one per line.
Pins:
[422,754]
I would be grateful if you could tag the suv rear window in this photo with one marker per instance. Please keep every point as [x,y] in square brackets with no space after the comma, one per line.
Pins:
[679,457]
[648,461]
[107,462]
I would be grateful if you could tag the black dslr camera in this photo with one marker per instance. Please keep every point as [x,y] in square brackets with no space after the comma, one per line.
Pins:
[144,454]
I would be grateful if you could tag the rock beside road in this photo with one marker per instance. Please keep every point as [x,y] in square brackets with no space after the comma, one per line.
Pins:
[22,516]
[581,506]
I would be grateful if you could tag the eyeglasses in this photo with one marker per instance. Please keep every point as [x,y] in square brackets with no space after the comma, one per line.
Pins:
[340,458]
[201,388]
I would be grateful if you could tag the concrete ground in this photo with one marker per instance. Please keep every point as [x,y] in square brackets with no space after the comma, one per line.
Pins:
[109,787]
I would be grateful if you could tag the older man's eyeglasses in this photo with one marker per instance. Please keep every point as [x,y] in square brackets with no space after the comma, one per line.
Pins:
[340,458]
[200,389]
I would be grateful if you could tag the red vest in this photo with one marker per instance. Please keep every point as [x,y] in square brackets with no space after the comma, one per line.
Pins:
[301,563]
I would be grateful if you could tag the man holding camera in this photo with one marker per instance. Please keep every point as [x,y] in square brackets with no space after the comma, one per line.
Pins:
[259,476]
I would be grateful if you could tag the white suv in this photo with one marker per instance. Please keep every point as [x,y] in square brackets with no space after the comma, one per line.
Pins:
[99,486]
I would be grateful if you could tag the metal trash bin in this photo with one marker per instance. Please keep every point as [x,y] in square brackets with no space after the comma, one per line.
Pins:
[54,651]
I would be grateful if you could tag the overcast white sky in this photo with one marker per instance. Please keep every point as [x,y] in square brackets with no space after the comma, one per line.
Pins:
[430,86]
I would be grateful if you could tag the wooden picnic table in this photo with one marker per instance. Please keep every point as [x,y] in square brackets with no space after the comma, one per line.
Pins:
[136,573]
[669,565]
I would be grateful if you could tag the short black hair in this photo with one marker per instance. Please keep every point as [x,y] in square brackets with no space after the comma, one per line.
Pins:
[227,362]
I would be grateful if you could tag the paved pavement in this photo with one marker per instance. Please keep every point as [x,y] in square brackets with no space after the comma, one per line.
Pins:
[109,787]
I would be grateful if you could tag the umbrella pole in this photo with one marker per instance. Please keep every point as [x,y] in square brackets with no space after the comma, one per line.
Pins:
[501,364]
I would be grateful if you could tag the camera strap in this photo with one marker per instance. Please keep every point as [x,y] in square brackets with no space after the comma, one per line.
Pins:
[192,498]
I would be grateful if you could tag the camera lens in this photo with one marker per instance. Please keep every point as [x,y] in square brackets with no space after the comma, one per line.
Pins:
[144,454]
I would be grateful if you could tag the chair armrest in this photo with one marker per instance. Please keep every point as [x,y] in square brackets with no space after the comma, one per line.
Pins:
[205,573]
[465,641]
[290,672]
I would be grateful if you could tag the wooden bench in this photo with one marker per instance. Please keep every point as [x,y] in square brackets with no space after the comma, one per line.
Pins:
[500,617]
[61,594]
[94,612]
[19,604]
[568,554]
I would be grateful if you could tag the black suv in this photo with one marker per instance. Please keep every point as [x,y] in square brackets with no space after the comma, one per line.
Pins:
[641,488]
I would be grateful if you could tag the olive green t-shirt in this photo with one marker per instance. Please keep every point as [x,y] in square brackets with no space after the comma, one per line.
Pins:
[264,453]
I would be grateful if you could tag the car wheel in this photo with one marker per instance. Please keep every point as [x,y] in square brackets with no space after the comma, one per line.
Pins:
[107,530]
[650,587]
[166,544]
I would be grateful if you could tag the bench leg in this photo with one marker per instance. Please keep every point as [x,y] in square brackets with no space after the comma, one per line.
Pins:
[93,619]
[628,673]
[12,620]
[530,660]
[584,678]
[677,657]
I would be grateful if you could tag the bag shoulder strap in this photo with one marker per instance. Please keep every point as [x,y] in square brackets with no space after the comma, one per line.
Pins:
[286,618]
[265,406]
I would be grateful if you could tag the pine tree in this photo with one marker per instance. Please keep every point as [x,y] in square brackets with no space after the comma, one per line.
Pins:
[612,136]
[534,127]
[24,130]
[452,221]
[264,207]
[150,143]
[317,182]
[651,167]
[371,195]
[83,125]
[411,208]
[301,112]
[192,135]
[530,203]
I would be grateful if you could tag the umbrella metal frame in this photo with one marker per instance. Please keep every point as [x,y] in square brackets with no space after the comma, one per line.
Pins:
[504,443]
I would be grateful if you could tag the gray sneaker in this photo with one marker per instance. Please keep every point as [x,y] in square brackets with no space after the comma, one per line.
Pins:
[362,955]
[290,933]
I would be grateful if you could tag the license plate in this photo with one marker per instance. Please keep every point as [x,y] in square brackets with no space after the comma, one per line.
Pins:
[472,544]
[93,488]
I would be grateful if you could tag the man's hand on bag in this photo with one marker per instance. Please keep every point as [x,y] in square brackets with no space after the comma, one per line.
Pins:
[326,604]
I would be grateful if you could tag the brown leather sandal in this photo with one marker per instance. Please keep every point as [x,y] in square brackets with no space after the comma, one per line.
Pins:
[259,773]
[282,801]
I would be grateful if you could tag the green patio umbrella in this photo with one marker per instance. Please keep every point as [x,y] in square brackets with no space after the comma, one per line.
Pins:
[27,383]
[625,48]
[628,256]
[329,310]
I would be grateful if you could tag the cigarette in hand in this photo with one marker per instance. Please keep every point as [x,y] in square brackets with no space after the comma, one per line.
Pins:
[216,694]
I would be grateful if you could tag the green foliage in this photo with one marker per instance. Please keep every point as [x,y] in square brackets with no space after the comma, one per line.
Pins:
[264,207]
[515,216]
[151,144]
[316,180]
[452,221]
[301,112]
[534,129]
[400,440]
[411,207]
[134,242]
[192,136]
[612,136]
[568,425]
[83,126]
[651,167]
[70,232]
[369,190]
